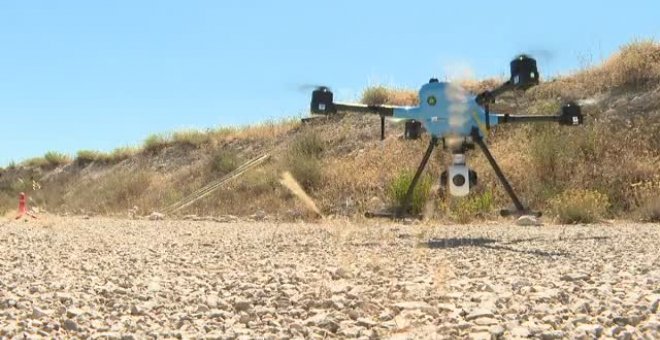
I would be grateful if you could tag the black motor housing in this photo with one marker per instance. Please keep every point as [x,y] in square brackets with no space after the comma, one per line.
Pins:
[524,73]
[413,129]
[322,101]
[571,114]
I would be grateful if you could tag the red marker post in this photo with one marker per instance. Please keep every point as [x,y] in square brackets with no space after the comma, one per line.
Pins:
[22,207]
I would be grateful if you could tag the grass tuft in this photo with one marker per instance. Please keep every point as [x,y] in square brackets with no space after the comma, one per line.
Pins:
[224,162]
[398,187]
[303,161]
[580,206]
[195,138]
[56,159]
[156,142]
[380,95]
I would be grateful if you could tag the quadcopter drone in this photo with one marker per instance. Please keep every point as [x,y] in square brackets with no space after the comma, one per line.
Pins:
[449,114]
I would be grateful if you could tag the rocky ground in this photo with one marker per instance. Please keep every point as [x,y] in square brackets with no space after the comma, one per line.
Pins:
[131,279]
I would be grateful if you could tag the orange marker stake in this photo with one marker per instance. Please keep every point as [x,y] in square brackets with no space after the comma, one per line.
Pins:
[22,207]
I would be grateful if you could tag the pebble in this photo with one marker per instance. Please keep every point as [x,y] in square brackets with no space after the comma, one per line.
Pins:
[200,279]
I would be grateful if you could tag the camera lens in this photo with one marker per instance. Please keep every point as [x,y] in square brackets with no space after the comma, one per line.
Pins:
[459,180]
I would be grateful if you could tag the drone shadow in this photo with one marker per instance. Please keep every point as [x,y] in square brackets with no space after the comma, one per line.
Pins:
[448,243]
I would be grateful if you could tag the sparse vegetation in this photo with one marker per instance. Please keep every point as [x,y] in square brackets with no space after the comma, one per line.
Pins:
[224,161]
[56,159]
[191,137]
[398,188]
[636,65]
[84,157]
[579,206]
[120,154]
[650,210]
[379,95]
[303,161]
[464,210]
[156,142]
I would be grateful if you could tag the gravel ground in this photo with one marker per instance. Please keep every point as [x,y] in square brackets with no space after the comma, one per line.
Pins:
[130,279]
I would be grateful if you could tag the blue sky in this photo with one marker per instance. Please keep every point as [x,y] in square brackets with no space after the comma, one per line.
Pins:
[102,74]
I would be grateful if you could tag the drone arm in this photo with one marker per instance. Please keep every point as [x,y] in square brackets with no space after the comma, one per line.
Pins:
[571,114]
[507,118]
[382,110]
[488,97]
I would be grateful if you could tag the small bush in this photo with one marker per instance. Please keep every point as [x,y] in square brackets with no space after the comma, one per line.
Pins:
[398,187]
[307,144]
[307,171]
[36,162]
[579,206]
[88,156]
[635,65]
[224,162]
[156,143]
[194,138]
[303,159]
[119,154]
[464,210]
[56,159]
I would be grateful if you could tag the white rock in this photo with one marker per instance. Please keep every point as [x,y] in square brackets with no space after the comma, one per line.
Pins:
[480,336]
[156,216]
[590,330]
[39,313]
[528,221]
[479,313]
[520,332]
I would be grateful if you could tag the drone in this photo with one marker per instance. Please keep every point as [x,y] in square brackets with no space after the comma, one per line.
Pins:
[460,121]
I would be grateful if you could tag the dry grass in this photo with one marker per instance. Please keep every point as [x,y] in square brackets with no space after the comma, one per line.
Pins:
[379,95]
[195,138]
[579,206]
[156,142]
[343,165]
[635,66]
[650,210]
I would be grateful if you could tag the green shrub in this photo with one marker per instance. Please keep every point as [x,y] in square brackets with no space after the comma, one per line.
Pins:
[88,156]
[303,160]
[194,138]
[398,187]
[307,144]
[56,159]
[122,153]
[464,210]
[36,162]
[156,143]
[579,206]
[224,162]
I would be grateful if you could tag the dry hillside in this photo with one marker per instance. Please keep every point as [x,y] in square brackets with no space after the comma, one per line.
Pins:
[609,168]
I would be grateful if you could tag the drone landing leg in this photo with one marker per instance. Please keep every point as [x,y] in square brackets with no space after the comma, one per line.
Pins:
[406,201]
[520,209]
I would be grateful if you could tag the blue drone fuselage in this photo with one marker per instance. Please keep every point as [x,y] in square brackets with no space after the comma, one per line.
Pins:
[446,109]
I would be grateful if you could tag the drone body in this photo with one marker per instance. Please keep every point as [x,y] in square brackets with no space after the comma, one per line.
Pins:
[448,112]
